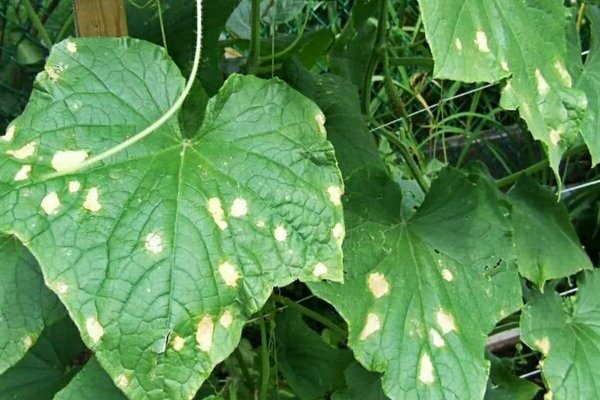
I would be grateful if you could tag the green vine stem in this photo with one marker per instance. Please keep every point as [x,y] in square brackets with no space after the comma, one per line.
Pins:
[37,24]
[292,45]
[537,167]
[410,162]
[265,367]
[254,56]
[375,55]
[310,314]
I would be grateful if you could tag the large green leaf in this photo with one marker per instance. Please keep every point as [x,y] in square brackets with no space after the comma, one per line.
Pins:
[421,295]
[312,368]
[47,367]
[521,40]
[545,242]
[162,251]
[26,305]
[567,334]
[587,78]
[91,383]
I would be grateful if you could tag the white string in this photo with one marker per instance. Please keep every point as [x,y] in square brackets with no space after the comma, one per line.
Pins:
[577,187]
[428,108]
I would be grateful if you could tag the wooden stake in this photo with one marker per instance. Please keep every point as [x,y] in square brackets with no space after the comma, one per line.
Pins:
[100,18]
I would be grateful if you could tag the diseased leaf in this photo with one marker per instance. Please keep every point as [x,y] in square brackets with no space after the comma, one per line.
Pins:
[26,305]
[521,40]
[91,383]
[271,12]
[47,367]
[587,78]
[567,334]
[355,147]
[312,368]
[419,294]
[162,252]
[360,385]
[546,245]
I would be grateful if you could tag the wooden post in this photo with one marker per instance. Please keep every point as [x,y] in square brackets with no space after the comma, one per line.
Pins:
[100,18]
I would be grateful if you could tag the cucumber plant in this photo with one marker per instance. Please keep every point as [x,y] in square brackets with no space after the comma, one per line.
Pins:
[284,224]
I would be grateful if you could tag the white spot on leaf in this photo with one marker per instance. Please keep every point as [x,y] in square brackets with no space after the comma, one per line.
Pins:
[260,223]
[71,47]
[481,41]
[239,208]
[335,195]
[548,395]
[10,134]
[554,137]
[74,186]
[215,209]
[320,119]
[458,44]
[229,274]
[280,234]
[61,288]
[178,343]
[27,342]
[320,270]
[50,203]
[445,321]
[54,71]
[378,285]
[153,243]
[91,202]
[542,85]
[426,369]
[436,338]
[68,159]
[543,345]
[204,333]
[23,173]
[338,231]
[24,152]
[94,330]
[447,275]
[372,325]
[504,66]
[563,73]
[226,319]
[122,381]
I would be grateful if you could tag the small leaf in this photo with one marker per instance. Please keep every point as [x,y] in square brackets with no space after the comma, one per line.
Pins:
[312,368]
[522,41]
[360,385]
[546,244]
[505,386]
[164,250]
[26,305]
[91,383]
[47,367]
[351,54]
[567,334]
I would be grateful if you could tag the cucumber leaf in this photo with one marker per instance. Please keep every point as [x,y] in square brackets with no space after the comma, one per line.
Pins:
[161,252]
